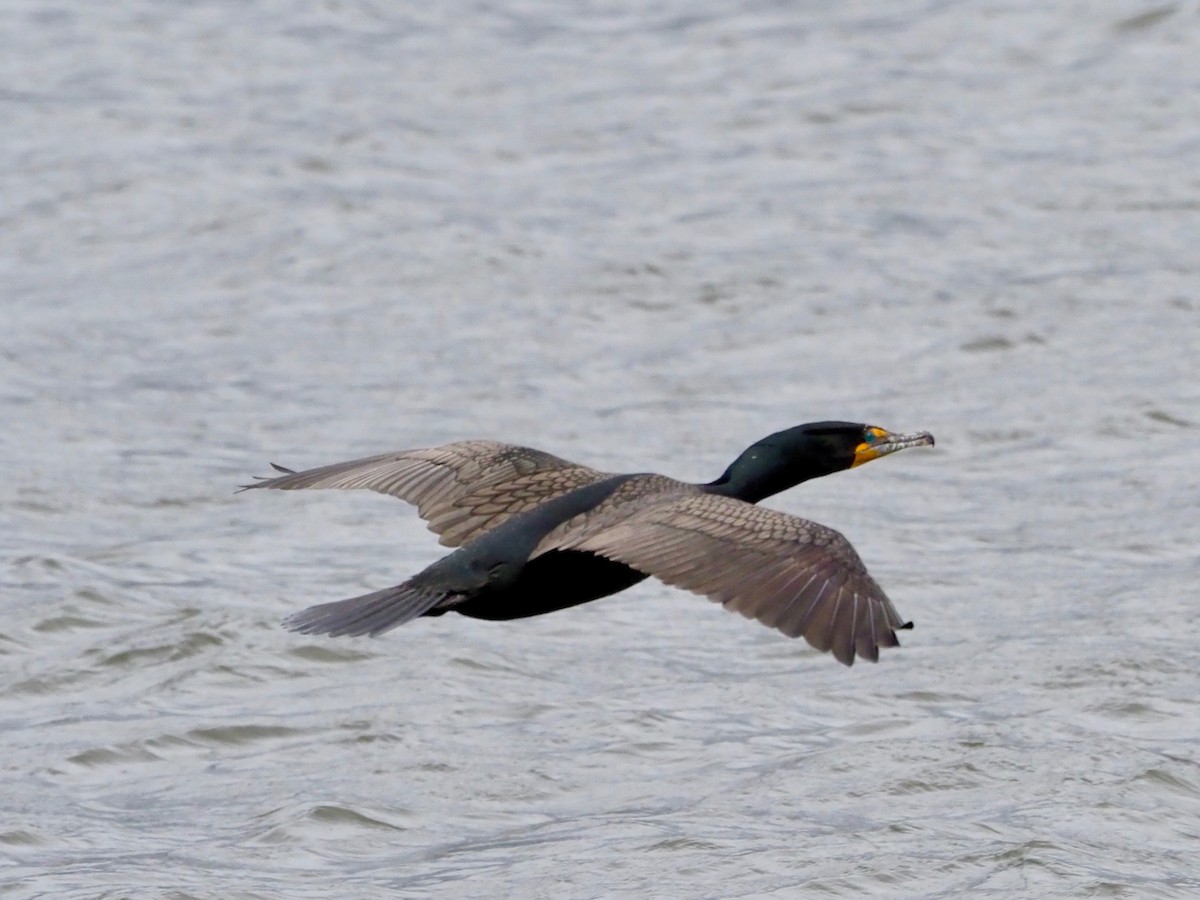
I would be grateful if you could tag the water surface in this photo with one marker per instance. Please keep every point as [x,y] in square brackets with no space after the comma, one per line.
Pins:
[639,237]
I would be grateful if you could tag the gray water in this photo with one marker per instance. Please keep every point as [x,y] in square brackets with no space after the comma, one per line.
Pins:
[639,236]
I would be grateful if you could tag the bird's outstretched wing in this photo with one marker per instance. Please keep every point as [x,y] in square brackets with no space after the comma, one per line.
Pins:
[461,489]
[789,573]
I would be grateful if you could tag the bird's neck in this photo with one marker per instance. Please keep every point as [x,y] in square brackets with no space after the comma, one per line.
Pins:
[760,472]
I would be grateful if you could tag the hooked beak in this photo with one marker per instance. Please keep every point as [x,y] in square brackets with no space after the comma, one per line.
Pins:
[880,443]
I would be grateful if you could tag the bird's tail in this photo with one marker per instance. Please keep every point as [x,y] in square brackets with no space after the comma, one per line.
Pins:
[370,614]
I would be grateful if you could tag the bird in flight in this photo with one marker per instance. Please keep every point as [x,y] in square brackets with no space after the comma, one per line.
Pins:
[536,533]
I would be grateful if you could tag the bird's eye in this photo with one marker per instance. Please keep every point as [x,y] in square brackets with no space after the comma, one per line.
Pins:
[873,434]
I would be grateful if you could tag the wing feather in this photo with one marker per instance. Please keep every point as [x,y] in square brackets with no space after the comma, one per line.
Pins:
[789,573]
[461,489]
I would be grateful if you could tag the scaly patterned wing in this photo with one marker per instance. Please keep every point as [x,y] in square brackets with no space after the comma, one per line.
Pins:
[461,489]
[789,573]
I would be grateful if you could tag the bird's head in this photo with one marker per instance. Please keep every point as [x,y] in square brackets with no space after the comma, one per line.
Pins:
[786,458]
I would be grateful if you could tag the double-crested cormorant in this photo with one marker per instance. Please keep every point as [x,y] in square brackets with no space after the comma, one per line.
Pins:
[537,533]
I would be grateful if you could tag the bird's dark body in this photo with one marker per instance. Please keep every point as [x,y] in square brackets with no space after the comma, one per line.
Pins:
[556,580]
[494,567]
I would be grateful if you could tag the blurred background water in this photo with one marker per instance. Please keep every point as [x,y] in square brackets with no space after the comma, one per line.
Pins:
[640,236]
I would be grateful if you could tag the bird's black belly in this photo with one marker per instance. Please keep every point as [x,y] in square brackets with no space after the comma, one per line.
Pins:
[555,580]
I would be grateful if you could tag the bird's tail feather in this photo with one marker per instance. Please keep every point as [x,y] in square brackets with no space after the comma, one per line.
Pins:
[370,614]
